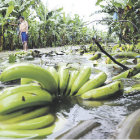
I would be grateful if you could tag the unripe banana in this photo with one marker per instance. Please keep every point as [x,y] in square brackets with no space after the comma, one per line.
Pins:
[63,79]
[89,103]
[13,90]
[103,92]
[24,81]
[13,114]
[30,71]
[54,73]
[95,56]
[129,73]
[36,123]
[24,100]
[81,79]
[27,133]
[108,60]
[97,81]
[72,78]
[126,55]
[29,115]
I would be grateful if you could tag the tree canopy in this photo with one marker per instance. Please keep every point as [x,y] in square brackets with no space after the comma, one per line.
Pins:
[123,18]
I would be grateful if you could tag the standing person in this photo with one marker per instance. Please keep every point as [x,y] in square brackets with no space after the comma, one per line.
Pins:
[23,28]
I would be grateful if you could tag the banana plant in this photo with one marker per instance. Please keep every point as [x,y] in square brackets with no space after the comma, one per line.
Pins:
[127,26]
[6,11]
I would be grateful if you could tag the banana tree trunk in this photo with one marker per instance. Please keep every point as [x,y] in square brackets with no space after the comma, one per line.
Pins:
[1,43]
[1,39]
[11,44]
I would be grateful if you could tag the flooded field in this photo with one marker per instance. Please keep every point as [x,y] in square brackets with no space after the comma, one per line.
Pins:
[72,110]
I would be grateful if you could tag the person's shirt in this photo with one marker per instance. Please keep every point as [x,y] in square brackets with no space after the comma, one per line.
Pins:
[23,27]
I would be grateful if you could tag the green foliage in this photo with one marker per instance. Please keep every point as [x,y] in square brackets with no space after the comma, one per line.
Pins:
[46,28]
[9,10]
[98,2]
[127,26]
[93,47]
[138,46]
[12,58]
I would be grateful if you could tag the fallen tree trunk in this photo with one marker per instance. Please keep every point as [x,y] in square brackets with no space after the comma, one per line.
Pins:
[80,130]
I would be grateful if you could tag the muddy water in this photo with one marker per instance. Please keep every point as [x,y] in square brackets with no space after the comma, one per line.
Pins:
[73,110]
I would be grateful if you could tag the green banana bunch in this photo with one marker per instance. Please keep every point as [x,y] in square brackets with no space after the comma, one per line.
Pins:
[72,78]
[17,119]
[27,133]
[129,73]
[13,90]
[63,79]
[97,81]
[29,115]
[103,92]
[80,80]
[23,100]
[30,71]
[36,123]
[54,73]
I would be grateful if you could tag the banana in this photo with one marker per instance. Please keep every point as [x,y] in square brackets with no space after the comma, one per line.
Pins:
[95,56]
[126,55]
[63,79]
[54,73]
[90,104]
[30,71]
[13,90]
[103,92]
[29,115]
[13,114]
[129,73]
[24,81]
[24,100]
[81,79]
[93,83]
[72,78]
[132,90]
[36,123]
[27,133]
[137,76]
[108,60]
